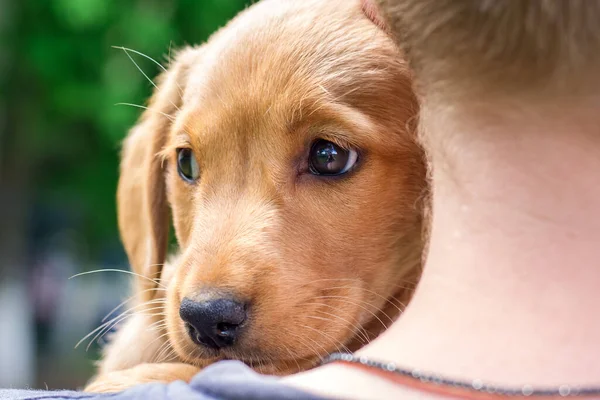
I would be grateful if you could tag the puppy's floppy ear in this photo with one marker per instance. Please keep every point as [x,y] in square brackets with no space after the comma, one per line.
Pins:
[143,211]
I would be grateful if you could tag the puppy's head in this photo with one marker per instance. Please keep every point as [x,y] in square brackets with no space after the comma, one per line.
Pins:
[283,150]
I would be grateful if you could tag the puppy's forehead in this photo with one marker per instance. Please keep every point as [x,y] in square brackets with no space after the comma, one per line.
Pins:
[288,47]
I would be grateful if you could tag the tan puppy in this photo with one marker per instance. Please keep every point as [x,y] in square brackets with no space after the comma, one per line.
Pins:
[283,150]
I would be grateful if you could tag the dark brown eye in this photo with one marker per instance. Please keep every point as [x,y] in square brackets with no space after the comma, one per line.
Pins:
[187,166]
[327,158]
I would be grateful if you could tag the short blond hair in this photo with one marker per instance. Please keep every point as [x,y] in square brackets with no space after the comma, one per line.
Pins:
[499,46]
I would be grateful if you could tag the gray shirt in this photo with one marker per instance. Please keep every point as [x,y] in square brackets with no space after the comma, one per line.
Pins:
[225,380]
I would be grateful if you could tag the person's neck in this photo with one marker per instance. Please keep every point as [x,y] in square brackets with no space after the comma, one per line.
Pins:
[511,287]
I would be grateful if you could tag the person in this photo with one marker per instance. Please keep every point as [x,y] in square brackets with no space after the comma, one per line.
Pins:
[510,99]
[507,302]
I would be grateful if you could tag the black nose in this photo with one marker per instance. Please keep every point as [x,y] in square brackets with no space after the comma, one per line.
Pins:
[213,323]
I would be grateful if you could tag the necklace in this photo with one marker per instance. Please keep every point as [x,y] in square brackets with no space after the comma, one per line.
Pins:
[475,386]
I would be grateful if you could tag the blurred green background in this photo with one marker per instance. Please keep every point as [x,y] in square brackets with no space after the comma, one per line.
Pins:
[60,134]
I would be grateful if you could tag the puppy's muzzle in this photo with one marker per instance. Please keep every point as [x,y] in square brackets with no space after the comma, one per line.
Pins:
[214,323]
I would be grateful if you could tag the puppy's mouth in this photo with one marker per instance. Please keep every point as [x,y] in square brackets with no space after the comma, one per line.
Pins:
[210,352]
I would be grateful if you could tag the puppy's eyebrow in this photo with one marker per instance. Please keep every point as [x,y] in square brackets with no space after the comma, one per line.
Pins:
[181,140]
[356,126]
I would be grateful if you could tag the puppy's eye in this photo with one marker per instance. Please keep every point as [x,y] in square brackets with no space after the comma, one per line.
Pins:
[327,158]
[187,166]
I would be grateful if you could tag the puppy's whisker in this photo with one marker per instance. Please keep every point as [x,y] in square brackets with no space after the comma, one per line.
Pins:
[168,344]
[119,317]
[158,325]
[158,357]
[100,329]
[359,332]
[146,304]
[335,342]
[118,270]
[292,357]
[115,321]
[369,291]
[313,349]
[163,351]
[170,117]
[387,300]
[143,73]
[96,330]
[348,298]
[105,328]
[360,281]
[358,329]
[156,265]
[130,298]
[345,300]
[169,55]
[145,307]
[172,358]
[362,340]
[139,53]
[105,331]
[156,340]
[167,352]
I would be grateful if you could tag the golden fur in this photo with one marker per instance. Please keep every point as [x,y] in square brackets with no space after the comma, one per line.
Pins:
[325,262]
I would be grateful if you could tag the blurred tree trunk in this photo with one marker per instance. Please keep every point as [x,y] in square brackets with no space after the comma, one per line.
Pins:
[16,316]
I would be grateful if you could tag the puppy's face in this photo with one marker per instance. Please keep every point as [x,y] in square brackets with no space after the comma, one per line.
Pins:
[293,183]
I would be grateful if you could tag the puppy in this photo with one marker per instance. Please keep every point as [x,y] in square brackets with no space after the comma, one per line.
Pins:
[283,153]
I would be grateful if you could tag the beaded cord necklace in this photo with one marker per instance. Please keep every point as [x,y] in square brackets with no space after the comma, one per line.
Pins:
[475,389]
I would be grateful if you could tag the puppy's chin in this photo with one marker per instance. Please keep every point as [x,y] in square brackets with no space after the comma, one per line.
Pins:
[270,349]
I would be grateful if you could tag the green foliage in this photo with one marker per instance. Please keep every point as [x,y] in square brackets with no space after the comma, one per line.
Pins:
[69,77]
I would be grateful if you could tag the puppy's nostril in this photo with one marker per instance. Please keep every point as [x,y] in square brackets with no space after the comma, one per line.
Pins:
[224,329]
[192,332]
[200,339]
